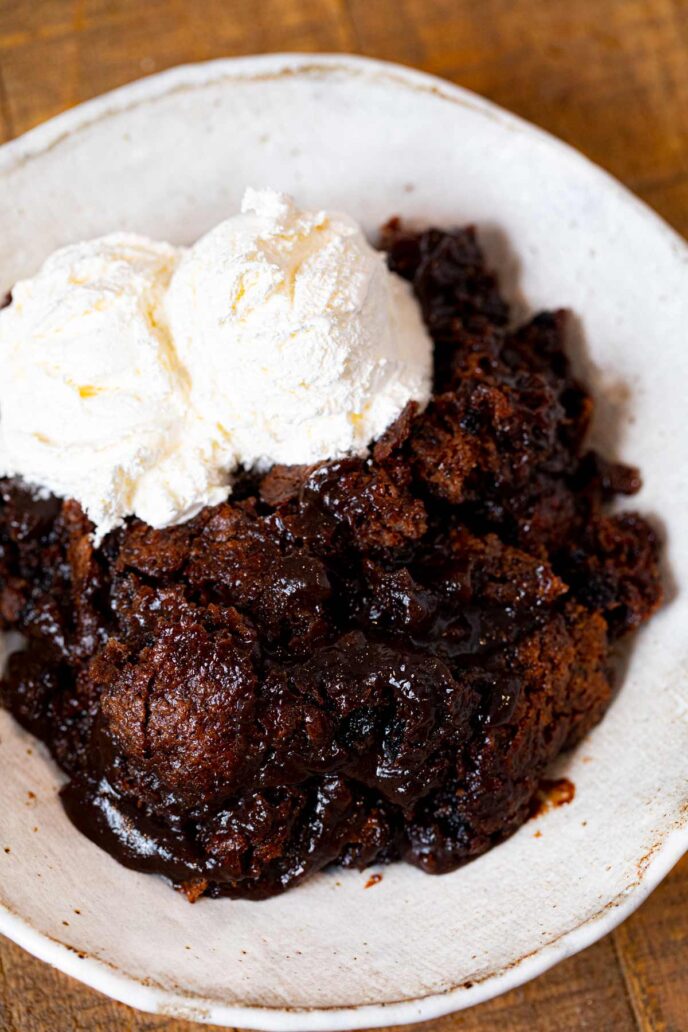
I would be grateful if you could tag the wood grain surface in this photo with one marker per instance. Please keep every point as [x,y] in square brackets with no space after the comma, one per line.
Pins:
[608,76]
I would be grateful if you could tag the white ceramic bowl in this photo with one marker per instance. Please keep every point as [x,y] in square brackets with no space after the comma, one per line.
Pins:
[170,156]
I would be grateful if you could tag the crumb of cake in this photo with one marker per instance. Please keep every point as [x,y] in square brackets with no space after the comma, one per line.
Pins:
[194,889]
[551,793]
[353,662]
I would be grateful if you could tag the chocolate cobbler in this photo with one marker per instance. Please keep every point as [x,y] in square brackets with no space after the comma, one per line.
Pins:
[361,661]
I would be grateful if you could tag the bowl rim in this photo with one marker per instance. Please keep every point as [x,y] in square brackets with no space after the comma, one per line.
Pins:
[97,973]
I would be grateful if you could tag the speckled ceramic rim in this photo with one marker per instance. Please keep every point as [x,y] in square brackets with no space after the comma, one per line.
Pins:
[135,993]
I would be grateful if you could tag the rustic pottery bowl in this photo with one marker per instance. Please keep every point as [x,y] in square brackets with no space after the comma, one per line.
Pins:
[170,156]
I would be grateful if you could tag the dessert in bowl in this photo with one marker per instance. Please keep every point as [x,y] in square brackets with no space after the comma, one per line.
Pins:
[332,580]
[331,954]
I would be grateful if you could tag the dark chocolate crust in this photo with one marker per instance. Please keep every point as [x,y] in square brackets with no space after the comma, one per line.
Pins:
[358,662]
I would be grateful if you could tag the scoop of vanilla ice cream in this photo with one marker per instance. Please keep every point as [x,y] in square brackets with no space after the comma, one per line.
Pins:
[135,377]
[92,397]
[299,343]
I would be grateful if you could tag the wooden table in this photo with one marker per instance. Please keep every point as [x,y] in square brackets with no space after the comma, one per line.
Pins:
[609,76]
